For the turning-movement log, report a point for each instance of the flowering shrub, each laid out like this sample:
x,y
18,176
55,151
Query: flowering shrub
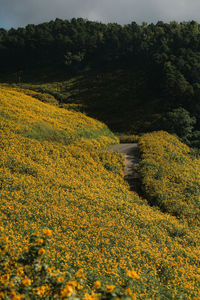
x,y
29,275
77,190
170,175
33,119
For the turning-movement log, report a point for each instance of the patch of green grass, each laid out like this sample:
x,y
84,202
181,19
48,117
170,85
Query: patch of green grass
x,y
43,131
132,138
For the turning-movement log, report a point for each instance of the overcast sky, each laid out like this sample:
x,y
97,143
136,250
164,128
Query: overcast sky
x,y
18,13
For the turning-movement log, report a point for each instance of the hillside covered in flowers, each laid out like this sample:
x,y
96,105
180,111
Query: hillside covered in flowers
x,y
170,175
70,226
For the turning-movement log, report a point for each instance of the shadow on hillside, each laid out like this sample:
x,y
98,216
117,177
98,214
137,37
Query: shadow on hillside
x,y
132,175
135,184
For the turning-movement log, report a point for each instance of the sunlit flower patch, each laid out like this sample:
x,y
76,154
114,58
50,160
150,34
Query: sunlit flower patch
x,y
59,182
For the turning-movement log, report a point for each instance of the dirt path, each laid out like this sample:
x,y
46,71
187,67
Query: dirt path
x,y
131,162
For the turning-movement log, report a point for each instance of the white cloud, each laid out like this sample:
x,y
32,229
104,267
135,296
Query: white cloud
x,y
22,12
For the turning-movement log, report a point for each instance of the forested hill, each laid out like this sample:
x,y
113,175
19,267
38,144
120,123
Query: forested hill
x,y
162,62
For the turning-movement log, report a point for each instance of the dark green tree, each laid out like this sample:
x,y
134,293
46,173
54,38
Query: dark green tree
x,y
179,122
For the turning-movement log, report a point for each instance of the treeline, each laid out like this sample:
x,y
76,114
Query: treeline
x,y
173,46
168,54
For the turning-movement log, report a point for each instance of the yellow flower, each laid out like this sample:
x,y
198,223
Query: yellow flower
x,y
41,251
90,297
20,271
41,290
67,291
97,284
26,282
6,277
60,279
47,232
79,287
72,283
14,296
80,274
1,229
133,274
128,292
40,241
110,288
49,270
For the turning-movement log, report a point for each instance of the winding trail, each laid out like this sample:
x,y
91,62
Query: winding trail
x,y
131,163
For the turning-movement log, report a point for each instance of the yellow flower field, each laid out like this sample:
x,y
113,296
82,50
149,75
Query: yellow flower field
x,y
56,174
171,175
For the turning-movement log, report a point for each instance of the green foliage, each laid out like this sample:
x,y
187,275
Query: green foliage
x,y
132,138
44,97
117,103
127,76
195,139
73,58
179,122
43,131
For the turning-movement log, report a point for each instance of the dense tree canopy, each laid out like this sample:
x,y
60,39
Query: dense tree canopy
x,y
168,54
173,46
179,121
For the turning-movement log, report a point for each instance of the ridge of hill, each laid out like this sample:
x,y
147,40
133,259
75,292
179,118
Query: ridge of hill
x,y
57,174
128,76
121,98
34,119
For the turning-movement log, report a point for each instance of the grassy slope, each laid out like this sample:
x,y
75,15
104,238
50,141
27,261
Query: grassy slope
x,y
76,188
120,98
